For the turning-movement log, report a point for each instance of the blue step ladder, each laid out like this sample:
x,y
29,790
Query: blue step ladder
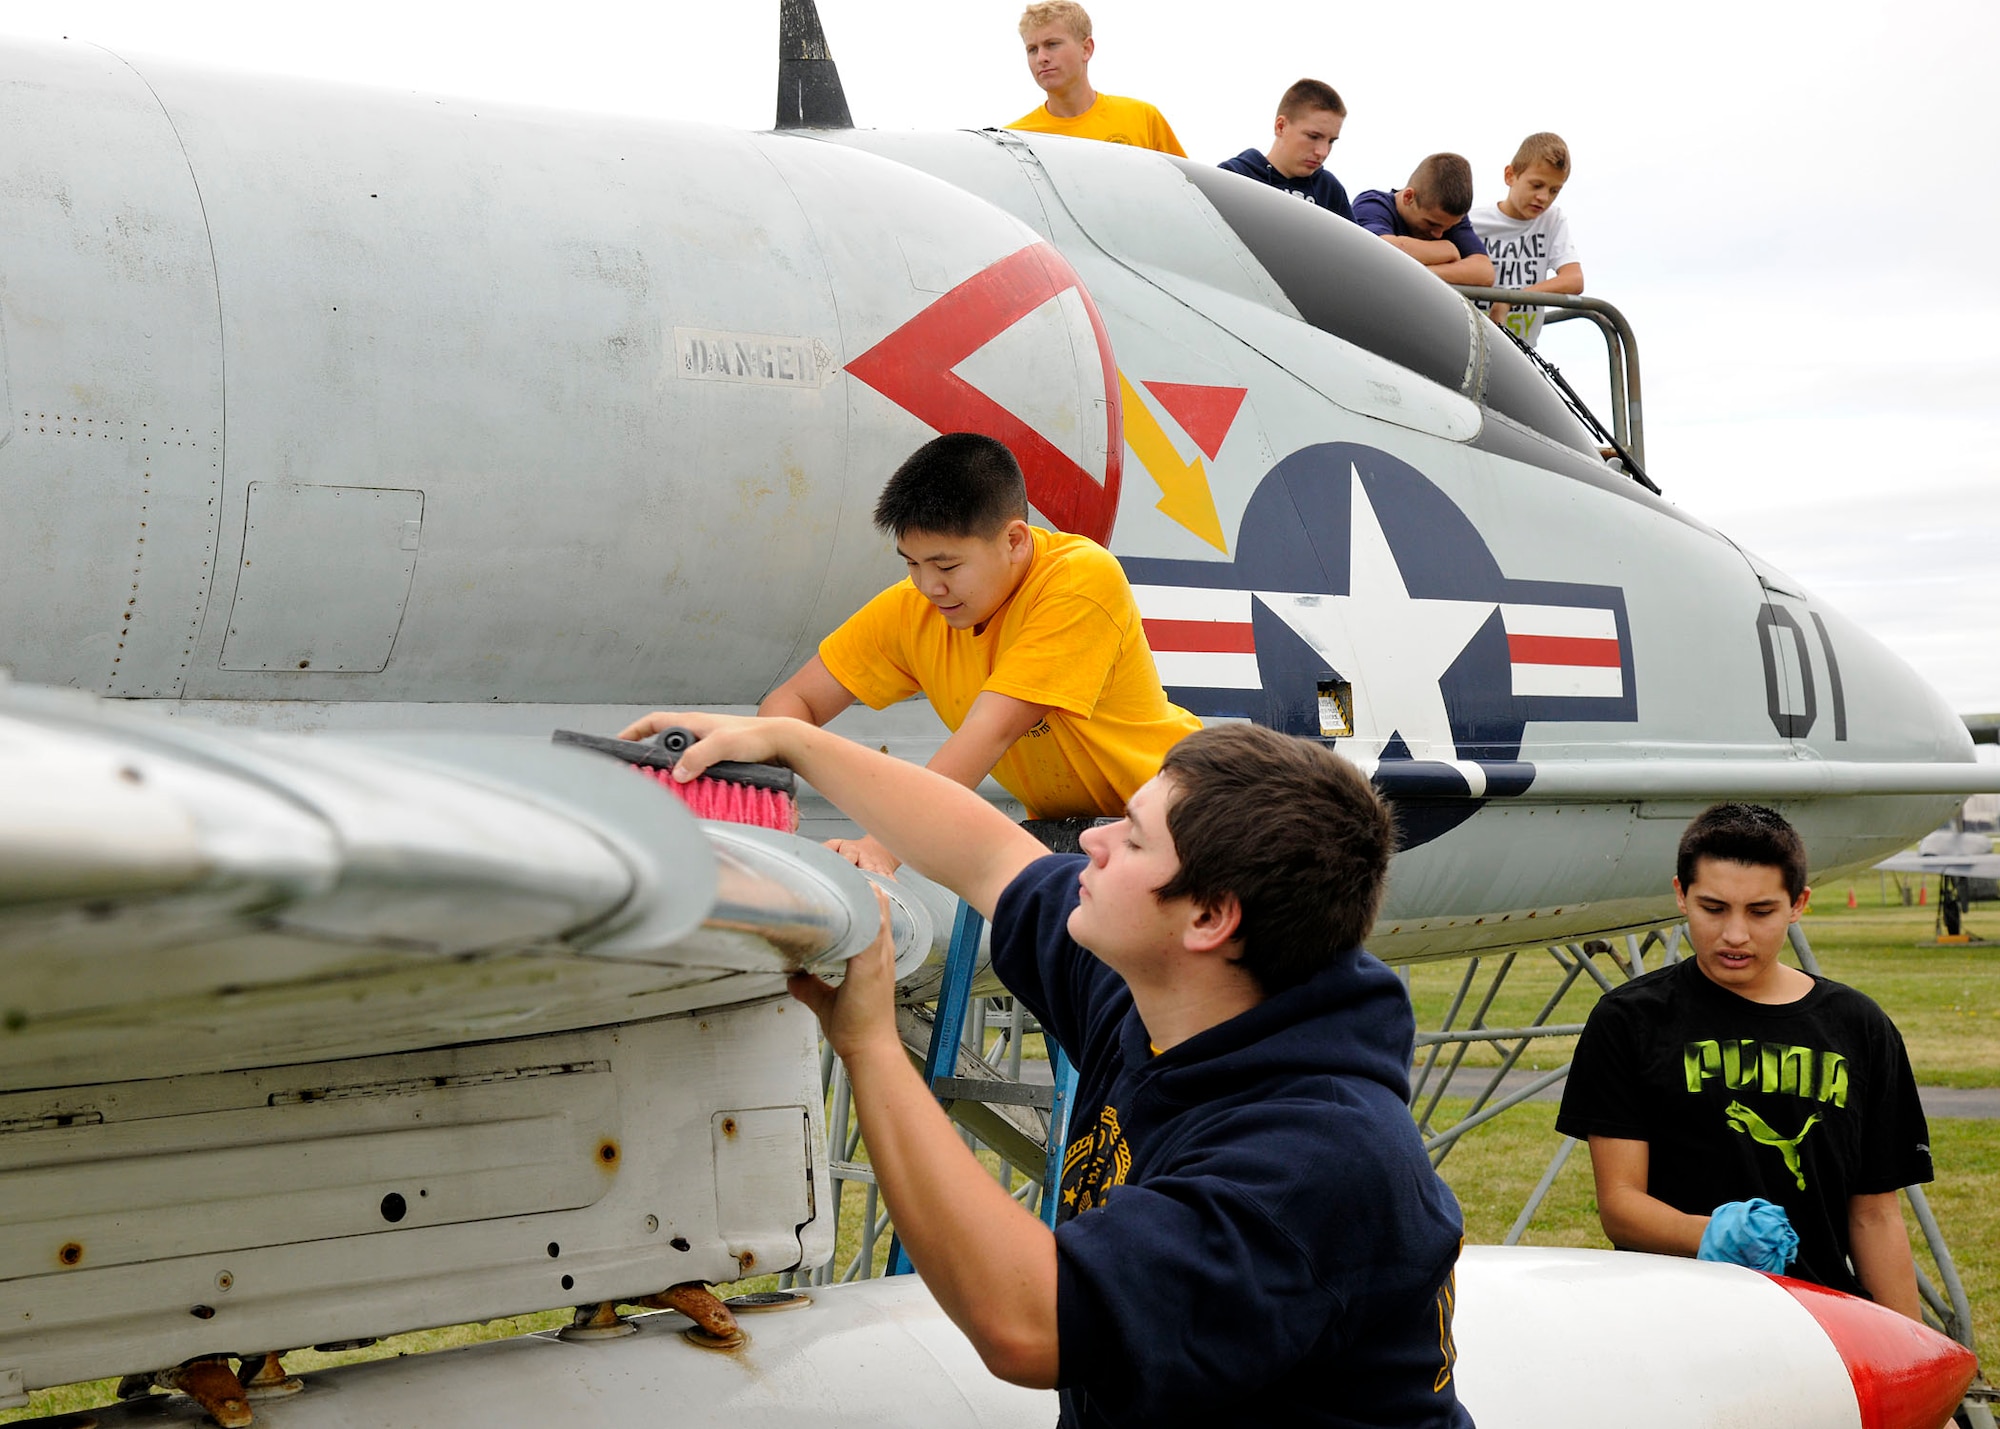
x,y
941,1063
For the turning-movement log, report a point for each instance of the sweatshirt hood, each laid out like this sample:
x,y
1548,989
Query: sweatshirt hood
x,y
1352,1019
1254,158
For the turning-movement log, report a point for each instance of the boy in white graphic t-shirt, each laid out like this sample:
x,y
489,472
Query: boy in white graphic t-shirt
x,y
1527,236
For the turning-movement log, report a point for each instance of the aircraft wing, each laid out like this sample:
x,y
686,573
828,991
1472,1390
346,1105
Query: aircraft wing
x,y
222,896
1951,865
332,1039
1624,780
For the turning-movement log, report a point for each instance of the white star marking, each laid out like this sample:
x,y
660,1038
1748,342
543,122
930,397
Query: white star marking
x,y
1392,647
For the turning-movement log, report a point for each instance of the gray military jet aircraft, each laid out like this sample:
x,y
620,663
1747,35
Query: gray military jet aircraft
x,y
1962,860
1949,852
337,410
349,412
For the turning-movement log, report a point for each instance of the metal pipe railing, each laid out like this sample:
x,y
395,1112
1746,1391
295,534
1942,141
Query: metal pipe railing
x,y
1623,354
1501,1034
1621,411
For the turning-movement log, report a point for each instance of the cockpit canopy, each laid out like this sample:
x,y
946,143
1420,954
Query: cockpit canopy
x,y
1345,281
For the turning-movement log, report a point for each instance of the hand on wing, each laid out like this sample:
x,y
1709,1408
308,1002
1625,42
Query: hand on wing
x,y
859,1016
866,854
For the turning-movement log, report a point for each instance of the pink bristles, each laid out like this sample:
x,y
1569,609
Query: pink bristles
x,y
731,803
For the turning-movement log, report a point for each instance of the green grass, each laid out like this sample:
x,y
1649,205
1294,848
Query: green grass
x,y
1946,1000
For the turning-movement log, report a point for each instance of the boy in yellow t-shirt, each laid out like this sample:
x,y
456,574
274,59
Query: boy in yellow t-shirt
x,y
1027,643
1057,36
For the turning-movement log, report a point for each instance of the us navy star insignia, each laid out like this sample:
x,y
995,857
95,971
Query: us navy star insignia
x,y
1403,643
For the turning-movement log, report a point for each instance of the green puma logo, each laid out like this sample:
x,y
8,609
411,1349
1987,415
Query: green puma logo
x,y
1741,1118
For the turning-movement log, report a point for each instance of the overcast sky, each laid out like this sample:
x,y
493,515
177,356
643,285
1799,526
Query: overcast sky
x,y
1793,204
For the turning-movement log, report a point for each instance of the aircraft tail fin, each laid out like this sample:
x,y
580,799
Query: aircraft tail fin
x,y
809,92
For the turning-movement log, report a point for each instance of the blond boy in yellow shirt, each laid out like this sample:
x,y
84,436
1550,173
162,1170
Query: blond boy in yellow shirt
x,y
1057,36
1027,643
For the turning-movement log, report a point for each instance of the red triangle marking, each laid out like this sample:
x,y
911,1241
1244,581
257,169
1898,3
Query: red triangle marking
x,y
1205,413
913,365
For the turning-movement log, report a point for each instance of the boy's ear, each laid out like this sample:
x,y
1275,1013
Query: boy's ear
x,y
1214,927
1507,176
1020,540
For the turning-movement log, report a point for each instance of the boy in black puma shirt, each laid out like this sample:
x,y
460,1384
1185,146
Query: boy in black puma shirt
x,y
1732,1076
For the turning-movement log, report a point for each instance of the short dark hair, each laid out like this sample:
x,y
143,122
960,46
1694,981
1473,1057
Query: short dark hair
x,y
1307,95
1290,828
1743,833
1444,181
959,484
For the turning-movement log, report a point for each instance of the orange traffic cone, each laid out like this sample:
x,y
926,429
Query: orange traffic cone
x,y
1850,896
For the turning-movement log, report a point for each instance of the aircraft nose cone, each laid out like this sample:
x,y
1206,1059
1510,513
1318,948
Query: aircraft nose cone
x,y
1906,1375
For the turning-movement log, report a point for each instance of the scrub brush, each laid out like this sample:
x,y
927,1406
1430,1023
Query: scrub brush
x,y
760,795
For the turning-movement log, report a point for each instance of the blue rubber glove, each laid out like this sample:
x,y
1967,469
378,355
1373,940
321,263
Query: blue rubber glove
x,y
1753,1233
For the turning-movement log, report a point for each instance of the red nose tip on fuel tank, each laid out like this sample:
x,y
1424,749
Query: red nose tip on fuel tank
x,y
1906,1375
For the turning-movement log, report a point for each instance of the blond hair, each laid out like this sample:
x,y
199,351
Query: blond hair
x,y
1542,148
1067,13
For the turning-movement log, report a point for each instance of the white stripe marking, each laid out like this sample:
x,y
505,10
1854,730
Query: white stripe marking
x,y
1173,602
1575,622
1207,670
1596,682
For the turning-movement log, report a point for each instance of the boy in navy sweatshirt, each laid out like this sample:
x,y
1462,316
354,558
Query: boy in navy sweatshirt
x,y
1250,1231
1310,116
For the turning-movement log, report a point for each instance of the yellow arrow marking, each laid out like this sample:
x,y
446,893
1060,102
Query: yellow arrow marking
x,y
1184,494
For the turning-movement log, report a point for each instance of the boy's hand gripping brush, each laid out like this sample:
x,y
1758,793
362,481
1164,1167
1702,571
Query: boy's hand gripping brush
x,y
761,795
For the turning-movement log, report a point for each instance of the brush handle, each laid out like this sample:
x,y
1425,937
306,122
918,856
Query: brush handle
x,y
663,751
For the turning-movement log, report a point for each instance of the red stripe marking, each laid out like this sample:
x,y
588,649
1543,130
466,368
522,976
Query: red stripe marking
x,y
1562,650
1209,637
